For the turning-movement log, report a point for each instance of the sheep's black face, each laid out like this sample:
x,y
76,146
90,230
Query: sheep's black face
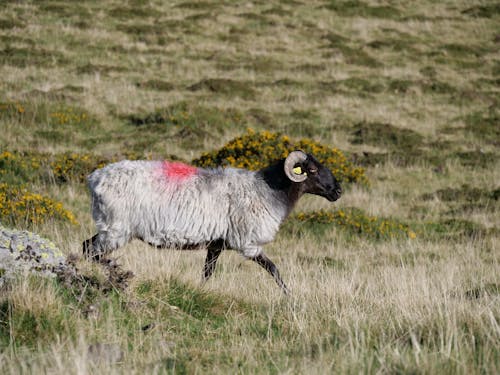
x,y
320,180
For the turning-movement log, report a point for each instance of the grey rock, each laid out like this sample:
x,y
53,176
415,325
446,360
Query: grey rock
x,y
24,251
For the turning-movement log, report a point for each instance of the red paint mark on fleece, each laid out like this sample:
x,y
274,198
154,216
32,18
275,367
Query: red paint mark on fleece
x,y
178,171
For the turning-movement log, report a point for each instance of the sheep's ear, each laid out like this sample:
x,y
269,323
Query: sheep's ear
x,y
293,171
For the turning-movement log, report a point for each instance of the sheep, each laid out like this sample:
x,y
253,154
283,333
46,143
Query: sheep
x,y
174,205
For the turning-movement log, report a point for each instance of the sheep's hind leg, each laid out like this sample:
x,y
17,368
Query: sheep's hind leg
x,y
214,250
270,267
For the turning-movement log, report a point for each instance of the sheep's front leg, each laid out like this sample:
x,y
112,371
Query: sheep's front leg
x,y
270,267
214,250
103,243
90,248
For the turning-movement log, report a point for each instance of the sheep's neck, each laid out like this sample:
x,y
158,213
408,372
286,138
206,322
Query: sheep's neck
x,y
277,180
294,193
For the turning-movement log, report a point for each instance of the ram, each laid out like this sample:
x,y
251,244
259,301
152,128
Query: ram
x,y
174,205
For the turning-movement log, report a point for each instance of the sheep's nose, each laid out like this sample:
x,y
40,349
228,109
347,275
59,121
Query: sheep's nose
x,y
338,190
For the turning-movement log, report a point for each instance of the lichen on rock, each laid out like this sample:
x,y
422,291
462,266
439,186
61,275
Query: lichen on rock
x,y
24,251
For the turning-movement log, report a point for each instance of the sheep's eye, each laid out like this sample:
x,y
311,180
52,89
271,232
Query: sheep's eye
x,y
313,170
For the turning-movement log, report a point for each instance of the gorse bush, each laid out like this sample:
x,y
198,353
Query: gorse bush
x,y
15,167
75,167
20,206
256,150
356,221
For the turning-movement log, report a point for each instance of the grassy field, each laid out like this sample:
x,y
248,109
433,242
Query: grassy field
x,y
401,275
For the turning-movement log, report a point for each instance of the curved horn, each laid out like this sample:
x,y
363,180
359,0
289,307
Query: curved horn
x,y
292,159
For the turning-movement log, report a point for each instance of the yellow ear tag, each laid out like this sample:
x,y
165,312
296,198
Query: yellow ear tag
x,y
297,170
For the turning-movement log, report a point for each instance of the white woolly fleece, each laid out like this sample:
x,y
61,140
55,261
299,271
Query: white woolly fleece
x,y
141,199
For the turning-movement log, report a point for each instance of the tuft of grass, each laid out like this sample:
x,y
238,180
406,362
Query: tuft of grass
x,y
466,199
196,311
156,84
436,87
476,158
130,13
352,54
386,135
90,68
400,85
464,193
356,8
147,33
21,327
334,39
484,11
399,45
310,68
7,23
278,11
484,125
453,229
302,122
190,124
197,304
325,261
260,117
259,65
71,10
197,5
361,85
257,24
433,156
429,72
225,87
463,50
24,57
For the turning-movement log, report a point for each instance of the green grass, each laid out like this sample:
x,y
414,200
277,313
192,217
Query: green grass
x,y
24,57
386,135
406,93
224,86
21,326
